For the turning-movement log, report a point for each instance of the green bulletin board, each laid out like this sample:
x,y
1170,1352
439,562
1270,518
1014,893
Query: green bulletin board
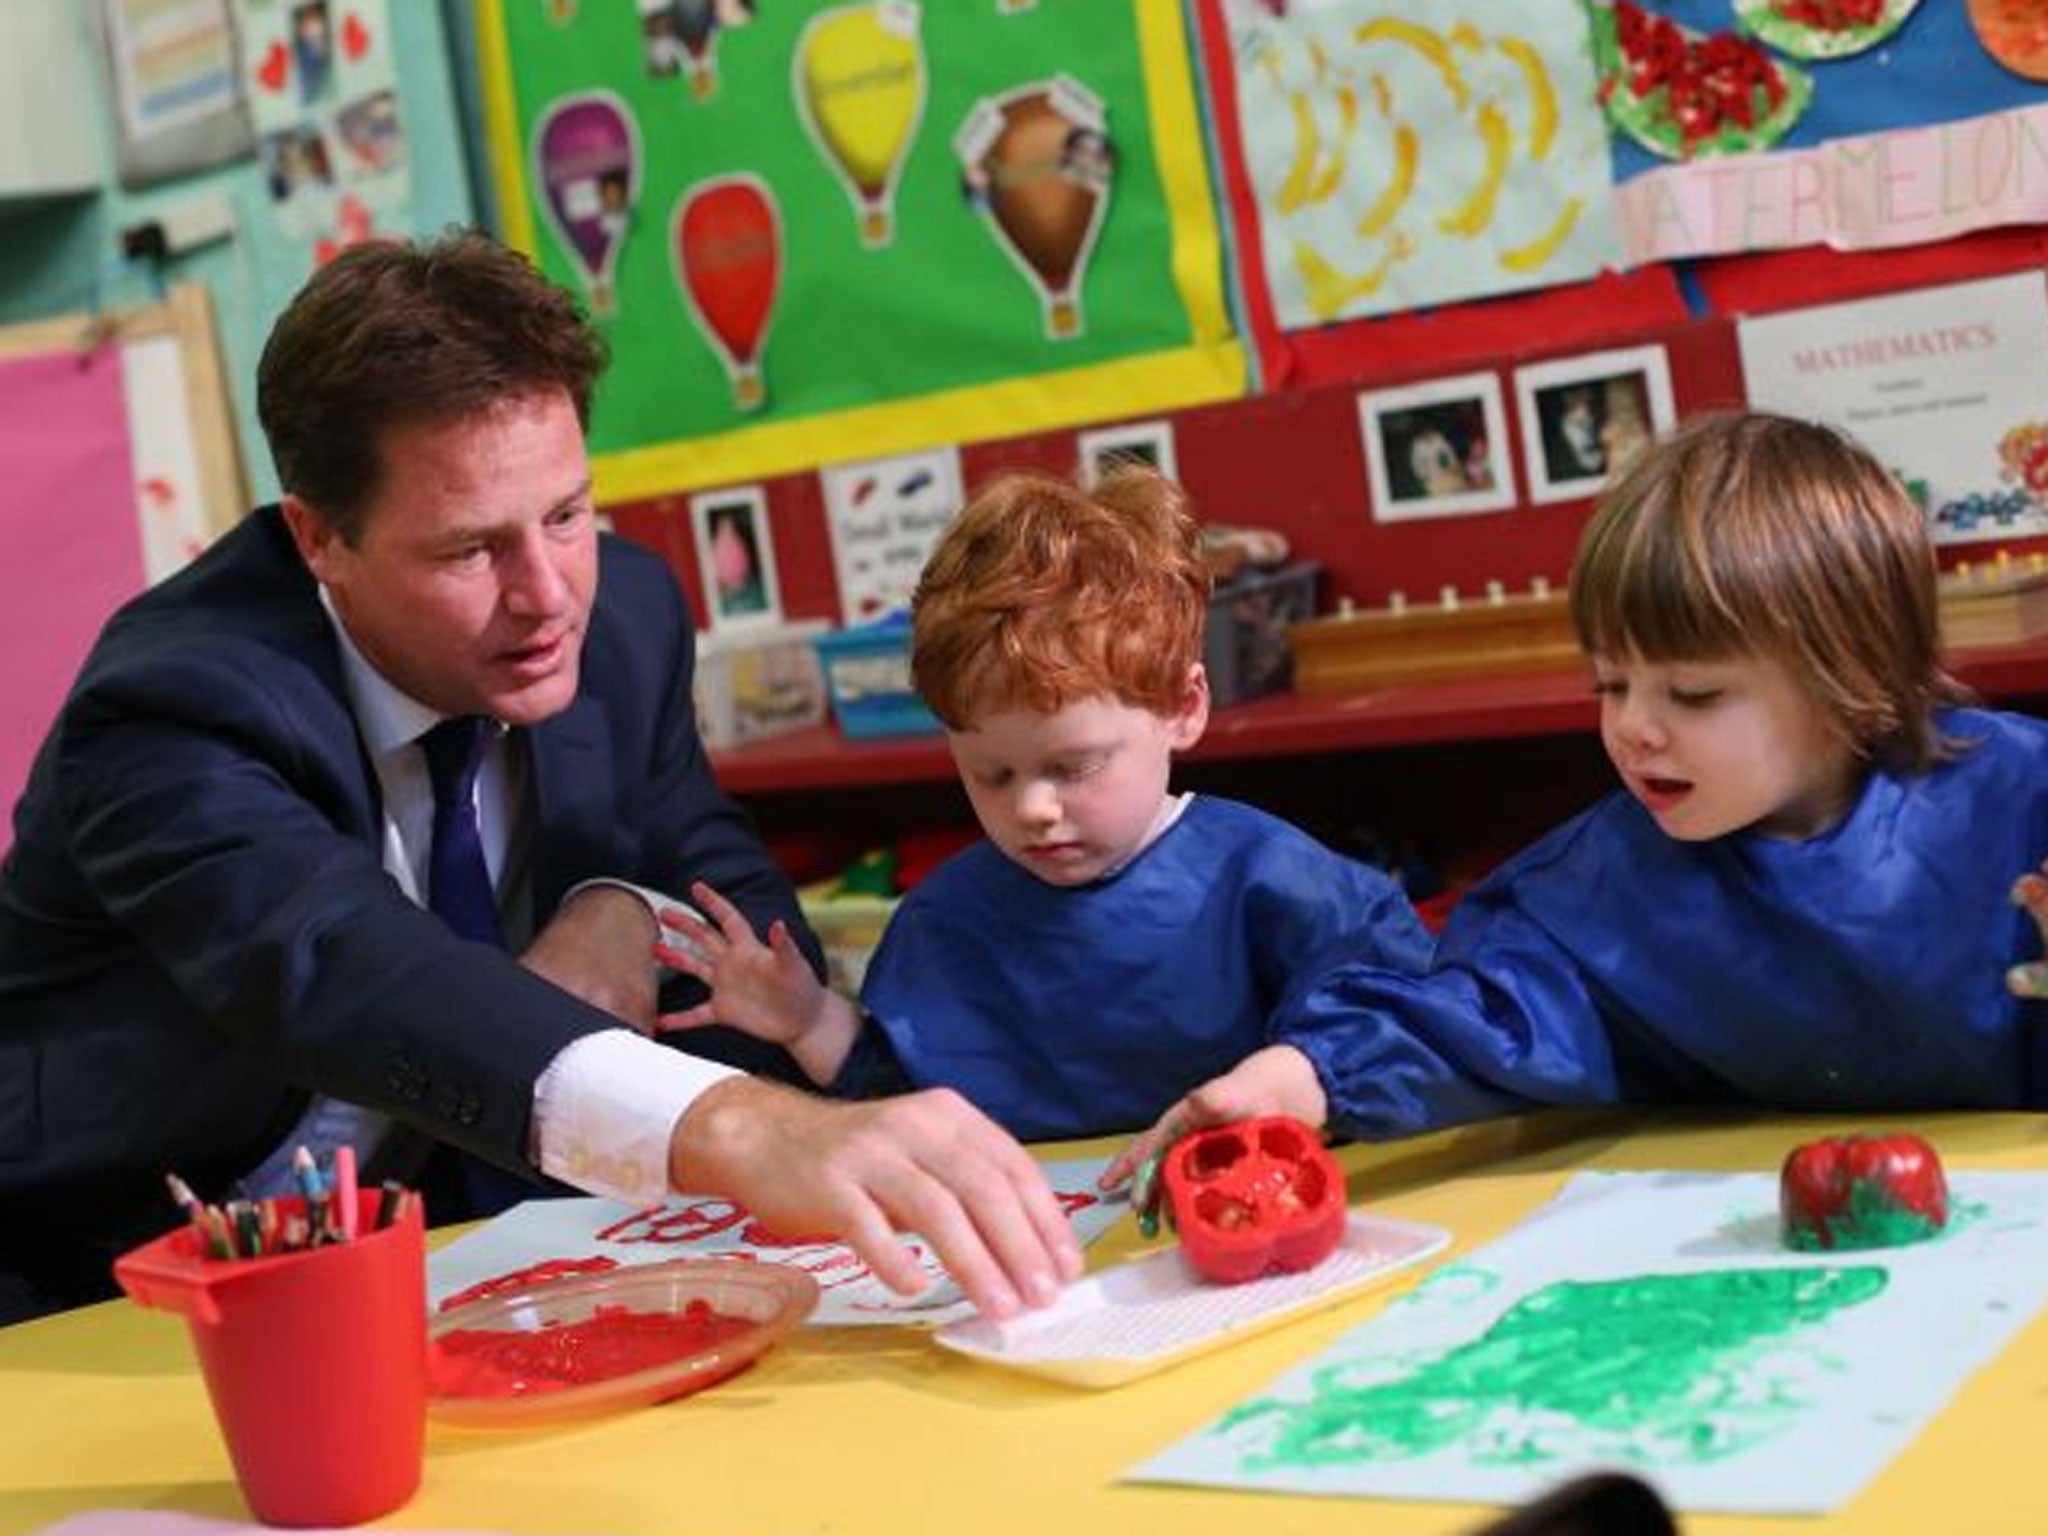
x,y
999,300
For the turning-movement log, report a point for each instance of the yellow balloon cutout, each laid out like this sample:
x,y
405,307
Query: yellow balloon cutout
x,y
860,86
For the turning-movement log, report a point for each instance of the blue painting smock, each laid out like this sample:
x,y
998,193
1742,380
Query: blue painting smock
x,y
1077,1011
1863,969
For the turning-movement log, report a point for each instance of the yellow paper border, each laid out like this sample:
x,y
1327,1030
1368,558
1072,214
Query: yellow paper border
x,y
1211,368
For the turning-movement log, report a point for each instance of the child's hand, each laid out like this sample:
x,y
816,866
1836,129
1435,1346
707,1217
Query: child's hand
x,y
2031,892
1278,1080
768,990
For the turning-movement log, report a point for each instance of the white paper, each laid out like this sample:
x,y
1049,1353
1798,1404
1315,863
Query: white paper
x,y
1486,1382
1947,386
703,1227
886,517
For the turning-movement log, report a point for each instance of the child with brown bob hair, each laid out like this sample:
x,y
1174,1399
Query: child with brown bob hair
x,y
1802,895
1111,944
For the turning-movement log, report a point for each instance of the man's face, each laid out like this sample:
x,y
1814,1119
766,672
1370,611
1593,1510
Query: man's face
x,y
471,584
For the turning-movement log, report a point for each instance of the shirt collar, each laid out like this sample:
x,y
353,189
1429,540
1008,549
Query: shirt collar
x,y
386,714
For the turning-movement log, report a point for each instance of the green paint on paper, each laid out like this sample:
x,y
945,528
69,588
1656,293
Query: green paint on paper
x,y
1656,1369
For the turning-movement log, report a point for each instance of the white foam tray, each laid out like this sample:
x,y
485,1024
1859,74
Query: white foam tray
x,y
1149,1313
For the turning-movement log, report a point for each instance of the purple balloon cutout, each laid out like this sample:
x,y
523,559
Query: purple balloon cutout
x,y
588,156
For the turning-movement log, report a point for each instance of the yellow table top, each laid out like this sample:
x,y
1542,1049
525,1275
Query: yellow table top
x,y
878,1432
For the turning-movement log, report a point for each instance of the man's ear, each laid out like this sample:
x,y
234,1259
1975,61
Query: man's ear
x,y
1193,717
313,534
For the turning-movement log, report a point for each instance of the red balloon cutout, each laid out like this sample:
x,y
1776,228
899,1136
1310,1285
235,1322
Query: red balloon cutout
x,y
727,247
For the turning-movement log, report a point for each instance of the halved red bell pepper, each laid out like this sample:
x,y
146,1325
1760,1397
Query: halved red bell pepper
x,y
1862,1192
1254,1197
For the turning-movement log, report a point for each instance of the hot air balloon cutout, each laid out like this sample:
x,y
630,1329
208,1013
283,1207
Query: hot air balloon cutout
x,y
859,79
683,35
725,241
1038,164
586,156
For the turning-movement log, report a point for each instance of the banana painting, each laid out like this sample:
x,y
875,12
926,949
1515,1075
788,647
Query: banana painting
x,y
1405,154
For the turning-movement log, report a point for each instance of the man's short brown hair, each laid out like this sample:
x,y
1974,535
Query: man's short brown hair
x,y
392,332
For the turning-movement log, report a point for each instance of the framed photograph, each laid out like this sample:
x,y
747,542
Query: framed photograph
x,y
736,558
1584,418
1149,443
1437,449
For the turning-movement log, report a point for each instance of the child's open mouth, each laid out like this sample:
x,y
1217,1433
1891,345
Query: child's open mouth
x,y
1661,794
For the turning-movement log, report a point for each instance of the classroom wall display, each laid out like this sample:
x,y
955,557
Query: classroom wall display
x,y
122,464
174,87
1385,157
860,229
1584,418
1913,131
886,516
1735,1375
1378,156
320,78
1893,123
1948,386
736,554
1149,443
1437,449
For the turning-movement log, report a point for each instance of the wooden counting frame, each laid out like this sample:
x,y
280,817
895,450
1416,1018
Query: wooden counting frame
x,y
2000,602
1499,632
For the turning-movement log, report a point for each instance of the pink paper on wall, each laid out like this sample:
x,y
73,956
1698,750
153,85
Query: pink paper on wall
x,y
69,548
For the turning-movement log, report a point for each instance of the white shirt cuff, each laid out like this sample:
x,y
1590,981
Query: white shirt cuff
x,y
605,1110
674,938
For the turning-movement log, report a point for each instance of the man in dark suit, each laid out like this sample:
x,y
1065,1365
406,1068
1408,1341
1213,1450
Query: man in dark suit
x,y
227,909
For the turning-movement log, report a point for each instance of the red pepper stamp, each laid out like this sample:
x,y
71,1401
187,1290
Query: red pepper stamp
x,y
1254,1197
1862,1192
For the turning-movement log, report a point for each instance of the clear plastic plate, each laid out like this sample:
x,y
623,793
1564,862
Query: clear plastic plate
x,y
768,1300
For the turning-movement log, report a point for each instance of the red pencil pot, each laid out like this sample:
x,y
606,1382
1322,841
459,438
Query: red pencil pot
x,y
316,1362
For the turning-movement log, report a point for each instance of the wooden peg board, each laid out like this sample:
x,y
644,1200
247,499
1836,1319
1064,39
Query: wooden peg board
x,y
1482,636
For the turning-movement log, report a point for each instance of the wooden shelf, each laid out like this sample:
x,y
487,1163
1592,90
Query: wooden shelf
x,y
1282,725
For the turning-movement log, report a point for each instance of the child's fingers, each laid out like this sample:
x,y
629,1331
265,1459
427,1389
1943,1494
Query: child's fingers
x,y
681,917
2028,980
693,929
2031,891
731,921
685,1018
1140,1150
691,962
1121,1167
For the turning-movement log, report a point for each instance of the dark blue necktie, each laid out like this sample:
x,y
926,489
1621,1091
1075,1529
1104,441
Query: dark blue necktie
x,y
459,889
458,880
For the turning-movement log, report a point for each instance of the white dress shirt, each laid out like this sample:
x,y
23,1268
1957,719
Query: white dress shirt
x,y
605,1107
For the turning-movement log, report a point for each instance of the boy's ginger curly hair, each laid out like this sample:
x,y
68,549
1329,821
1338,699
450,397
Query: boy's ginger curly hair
x,y
1041,595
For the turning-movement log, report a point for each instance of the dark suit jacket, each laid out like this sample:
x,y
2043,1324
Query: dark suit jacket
x,y
196,929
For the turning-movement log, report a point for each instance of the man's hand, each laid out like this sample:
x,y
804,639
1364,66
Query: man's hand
x,y
599,946
768,990
925,1162
1278,1080
2030,891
